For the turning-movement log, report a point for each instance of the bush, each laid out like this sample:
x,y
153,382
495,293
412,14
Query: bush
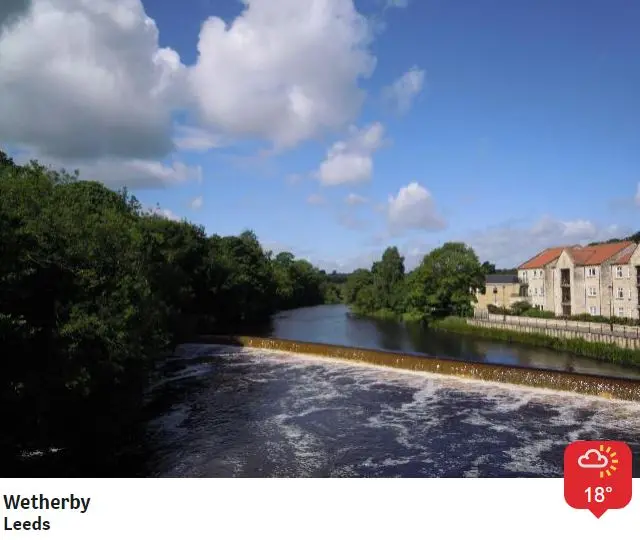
x,y
539,314
519,308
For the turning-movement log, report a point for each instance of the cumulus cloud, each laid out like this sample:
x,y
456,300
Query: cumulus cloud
x,y
283,70
354,199
196,203
196,139
511,244
315,199
165,213
87,79
404,90
351,160
132,173
413,208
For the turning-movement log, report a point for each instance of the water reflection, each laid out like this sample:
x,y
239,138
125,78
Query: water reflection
x,y
335,325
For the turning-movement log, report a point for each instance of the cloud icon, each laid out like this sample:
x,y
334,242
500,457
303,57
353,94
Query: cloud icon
x,y
593,459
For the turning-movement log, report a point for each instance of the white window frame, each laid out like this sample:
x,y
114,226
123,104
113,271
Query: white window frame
x,y
628,271
621,312
620,293
591,271
619,271
593,310
541,291
593,292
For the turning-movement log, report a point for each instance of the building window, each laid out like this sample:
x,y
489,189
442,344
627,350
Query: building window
x,y
593,310
619,271
620,312
593,291
591,272
541,291
620,293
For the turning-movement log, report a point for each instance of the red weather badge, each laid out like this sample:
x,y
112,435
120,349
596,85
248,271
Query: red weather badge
x,y
597,475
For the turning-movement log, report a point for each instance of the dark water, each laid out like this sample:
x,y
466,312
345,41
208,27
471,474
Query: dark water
x,y
266,413
224,411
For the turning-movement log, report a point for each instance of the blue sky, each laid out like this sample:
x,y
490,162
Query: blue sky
x,y
508,125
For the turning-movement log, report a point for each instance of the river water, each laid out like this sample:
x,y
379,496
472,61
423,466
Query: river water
x,y
248,413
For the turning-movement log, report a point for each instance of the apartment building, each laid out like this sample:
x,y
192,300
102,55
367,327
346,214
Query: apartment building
x,y
501,290
603,279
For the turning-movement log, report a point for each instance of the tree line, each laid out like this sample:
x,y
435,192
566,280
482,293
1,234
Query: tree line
x,y
93,289
444,283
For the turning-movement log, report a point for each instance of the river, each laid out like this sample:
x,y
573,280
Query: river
x,y
229,412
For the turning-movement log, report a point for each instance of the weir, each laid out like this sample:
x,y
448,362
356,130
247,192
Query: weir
x,y
596,385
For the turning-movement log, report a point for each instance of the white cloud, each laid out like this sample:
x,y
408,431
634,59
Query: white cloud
x,y
413,208
354,199
404,90
166,213
283,70
87,79
351,161
196,203
315,199
510,245
196,139
132,173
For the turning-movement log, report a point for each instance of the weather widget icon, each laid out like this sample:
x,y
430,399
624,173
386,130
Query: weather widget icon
x,y
602,459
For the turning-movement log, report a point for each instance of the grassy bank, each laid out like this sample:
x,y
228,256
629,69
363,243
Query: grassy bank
x,y
601,351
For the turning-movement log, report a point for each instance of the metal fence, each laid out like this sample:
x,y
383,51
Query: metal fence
x,y
584,327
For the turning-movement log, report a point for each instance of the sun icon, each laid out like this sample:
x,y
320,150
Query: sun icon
x,y
611,461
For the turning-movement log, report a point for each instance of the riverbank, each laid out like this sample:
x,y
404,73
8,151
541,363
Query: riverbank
x,y
601,351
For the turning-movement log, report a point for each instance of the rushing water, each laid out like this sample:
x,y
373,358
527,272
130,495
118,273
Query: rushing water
x,y
266,413
225,411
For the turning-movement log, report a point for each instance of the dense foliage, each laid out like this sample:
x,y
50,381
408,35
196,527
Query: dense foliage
x,y
443,284
93,289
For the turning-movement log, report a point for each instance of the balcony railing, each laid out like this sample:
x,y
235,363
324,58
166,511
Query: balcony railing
x,y
565,283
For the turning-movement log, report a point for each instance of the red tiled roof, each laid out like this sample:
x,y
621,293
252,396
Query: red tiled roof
x,y
624,257
543,258
594,255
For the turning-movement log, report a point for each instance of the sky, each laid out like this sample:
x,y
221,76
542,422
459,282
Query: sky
x,y
336,128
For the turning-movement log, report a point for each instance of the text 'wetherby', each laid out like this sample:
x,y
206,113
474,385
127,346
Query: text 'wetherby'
x,y
40,502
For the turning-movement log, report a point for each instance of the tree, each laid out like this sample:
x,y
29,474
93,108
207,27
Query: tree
x,y
446,281
488,268
359,279
388,276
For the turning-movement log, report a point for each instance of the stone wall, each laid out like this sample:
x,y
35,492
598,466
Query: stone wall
x,y
627,337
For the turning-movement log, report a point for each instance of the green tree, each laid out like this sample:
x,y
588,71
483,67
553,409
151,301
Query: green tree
x,y
446,281
388,277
